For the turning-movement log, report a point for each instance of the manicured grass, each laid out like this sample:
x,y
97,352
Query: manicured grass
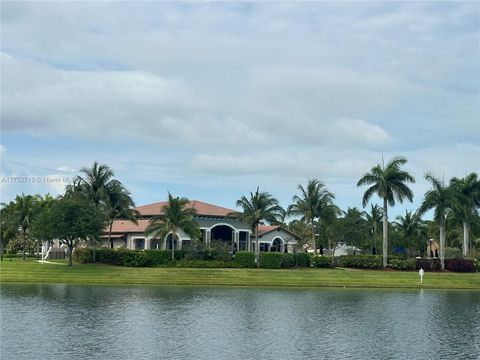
x,y
31,271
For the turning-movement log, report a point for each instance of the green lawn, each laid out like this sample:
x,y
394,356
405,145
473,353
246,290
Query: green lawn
x,y
31,271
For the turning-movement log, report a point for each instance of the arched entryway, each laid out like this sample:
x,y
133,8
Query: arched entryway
x,y
277,245
222,233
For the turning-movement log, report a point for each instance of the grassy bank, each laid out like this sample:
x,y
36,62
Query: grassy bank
x,y
33,272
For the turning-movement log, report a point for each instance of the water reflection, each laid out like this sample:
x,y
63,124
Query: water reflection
x,y
97,322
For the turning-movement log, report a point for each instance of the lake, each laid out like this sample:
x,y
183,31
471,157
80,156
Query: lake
x,y
103,322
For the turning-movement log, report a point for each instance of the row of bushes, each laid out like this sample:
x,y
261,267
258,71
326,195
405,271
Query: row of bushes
x,y
151,258
243,259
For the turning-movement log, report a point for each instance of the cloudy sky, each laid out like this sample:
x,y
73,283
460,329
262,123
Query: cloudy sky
x,y
210,100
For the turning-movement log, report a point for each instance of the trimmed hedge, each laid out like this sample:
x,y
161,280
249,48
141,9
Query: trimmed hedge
x,y
302,259
322,261
288,260
244,259
399,264
360,261
270,260
460,265
125,257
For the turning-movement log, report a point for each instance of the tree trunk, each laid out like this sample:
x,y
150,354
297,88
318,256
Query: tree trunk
x,y
466,239
313,239
70,253
174,233
257,246
110,235
1,248
385,233
23,244
442,241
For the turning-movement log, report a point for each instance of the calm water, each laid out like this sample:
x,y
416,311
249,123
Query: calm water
x,y
98,322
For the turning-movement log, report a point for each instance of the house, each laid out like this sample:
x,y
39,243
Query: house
x,y
344,249
214,223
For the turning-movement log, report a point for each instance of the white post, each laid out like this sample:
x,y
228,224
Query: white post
x,y
421,272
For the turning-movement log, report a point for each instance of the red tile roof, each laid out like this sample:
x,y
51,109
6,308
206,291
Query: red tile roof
x,y
124,226
201,207
263,229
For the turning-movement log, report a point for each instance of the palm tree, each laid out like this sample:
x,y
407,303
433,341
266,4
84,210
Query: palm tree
x,y
467,193
373,219
120,206
258,207
389,183
410,226
175,215
94,185
310,204
441,199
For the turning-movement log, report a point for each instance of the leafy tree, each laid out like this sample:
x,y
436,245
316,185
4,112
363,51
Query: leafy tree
x,y
175,215
467,193
389,183
440,198
260,206
70,220
8,226
313,200
374,220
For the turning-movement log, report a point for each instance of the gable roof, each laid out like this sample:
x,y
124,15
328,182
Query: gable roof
x,y
265,229
202,208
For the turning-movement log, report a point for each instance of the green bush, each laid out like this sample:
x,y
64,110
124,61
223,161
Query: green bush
x,y
302,259
244,259
476,263
20,256
217,250
204,264
399,264
270,260
359,261
288,260
322,261
82,255
453,253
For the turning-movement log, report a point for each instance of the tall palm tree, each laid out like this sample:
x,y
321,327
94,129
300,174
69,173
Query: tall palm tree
x,y
467,193
120,206
410,226
374,220
389,183
175,215
260,206
441,199
313,199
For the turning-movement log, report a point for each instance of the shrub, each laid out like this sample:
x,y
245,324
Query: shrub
x,y
204,264
244,259
476,263
360,261
288,260
217,250
302,259
399,264
459,265
82,255
20,256
428,264
270,260
322,261
453,253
